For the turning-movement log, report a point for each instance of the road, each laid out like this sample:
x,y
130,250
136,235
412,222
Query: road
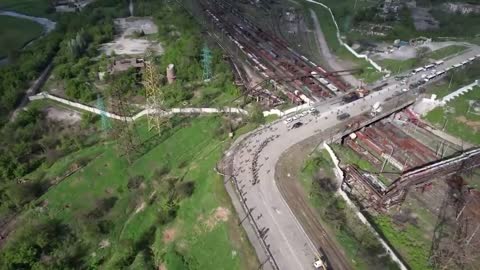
x,y
290,244
327,55
471,52
293,244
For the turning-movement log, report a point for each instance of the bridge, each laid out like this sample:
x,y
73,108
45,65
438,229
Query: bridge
x,y
371,193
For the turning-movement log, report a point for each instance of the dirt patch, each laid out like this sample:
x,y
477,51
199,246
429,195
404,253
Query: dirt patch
x,y
104,244
162,267
126,44
169,235
473,124
140,208
62,115
220,214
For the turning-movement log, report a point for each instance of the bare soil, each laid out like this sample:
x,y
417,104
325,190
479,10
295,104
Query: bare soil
x,y
169,235
126,44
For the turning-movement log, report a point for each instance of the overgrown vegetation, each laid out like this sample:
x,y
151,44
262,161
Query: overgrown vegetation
x,y
360,244
458,117
168,208
28,143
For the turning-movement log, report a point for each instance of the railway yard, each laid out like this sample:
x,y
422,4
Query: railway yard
x,y
403,154
250,134
293,74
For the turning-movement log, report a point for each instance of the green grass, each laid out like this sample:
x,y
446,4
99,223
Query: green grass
x,y
458,109
398,66
16,33
27,7
368,74
446,51
408,240
191,151
322,164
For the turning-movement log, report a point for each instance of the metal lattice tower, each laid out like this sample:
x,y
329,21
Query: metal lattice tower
x,y
124,130
206,63
106,125
151,82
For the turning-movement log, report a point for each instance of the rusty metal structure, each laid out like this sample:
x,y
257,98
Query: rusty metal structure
x,y
397,191
371,194
270,56
152,84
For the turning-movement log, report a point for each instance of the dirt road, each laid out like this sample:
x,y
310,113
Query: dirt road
x,y
327,54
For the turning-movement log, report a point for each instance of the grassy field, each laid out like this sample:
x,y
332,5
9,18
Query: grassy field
x,y
446,51
399,66
368,74
352,235
28,7
16,33
204,233
455,120
408,239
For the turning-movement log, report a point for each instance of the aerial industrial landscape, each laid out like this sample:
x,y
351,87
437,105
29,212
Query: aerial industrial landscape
x,y
240,134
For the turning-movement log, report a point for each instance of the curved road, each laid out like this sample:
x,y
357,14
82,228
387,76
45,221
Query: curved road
x,y
253,165
294,238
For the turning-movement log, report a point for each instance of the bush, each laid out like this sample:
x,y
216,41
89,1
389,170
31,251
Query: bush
x,y
257,115
135,181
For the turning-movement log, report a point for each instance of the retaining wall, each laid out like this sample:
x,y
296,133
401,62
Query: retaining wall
x,y
350,49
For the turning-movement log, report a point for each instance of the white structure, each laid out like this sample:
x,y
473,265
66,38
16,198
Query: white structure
x,y
362,56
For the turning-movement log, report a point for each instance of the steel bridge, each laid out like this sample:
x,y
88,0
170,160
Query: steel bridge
x,y
398,190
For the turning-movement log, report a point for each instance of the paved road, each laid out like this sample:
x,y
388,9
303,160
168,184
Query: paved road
x,y
289,243
471,52
254,164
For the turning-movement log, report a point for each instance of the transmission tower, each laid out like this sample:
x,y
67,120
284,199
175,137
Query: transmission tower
x,y
105,121
151,82
206,63
124,130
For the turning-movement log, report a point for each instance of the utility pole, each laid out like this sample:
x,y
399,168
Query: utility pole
x,y
206,63
154,100
106,125
125,130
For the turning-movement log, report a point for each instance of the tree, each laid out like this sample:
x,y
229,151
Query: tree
x,y
256,115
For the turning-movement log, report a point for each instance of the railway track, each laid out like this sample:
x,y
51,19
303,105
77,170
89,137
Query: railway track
x,y
270,56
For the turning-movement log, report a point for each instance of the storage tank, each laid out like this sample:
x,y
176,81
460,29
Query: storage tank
x,y
171,73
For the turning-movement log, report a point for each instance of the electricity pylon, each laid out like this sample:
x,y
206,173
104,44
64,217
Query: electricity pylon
x,y
151,82
206,63
104,119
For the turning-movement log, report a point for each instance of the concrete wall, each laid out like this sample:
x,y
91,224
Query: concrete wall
x,y
45,95
340,175
426,105
460,91
361,56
